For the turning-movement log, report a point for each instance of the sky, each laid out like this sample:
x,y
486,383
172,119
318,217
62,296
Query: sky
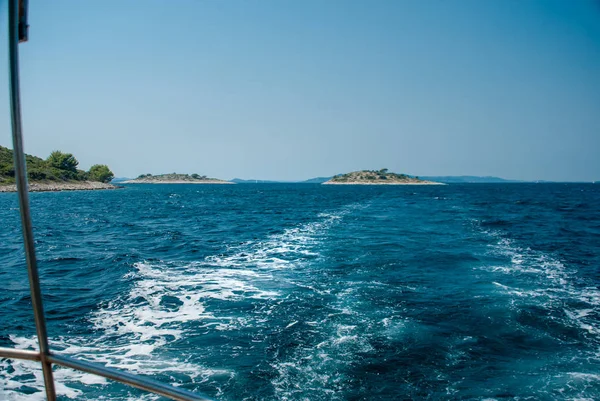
x,y
289,90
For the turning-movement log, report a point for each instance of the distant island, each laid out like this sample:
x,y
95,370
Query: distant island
x,y
175,178
470,179
58,172
241,181
316,180
445,179
377,177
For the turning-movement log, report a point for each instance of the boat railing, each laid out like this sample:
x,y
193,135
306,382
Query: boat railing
x,y
18,32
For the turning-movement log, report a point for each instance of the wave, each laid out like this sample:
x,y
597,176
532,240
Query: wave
x,y
550,282
550,296
323,362
165,301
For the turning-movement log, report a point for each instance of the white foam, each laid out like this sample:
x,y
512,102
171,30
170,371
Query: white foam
x,y
289,249
162,298
542,278
291,324
318,371
585,376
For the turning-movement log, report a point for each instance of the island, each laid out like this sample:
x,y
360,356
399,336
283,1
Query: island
x,y
377,177
175,178
58,172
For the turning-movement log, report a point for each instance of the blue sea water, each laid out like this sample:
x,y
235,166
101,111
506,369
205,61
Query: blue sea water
x,y
309,292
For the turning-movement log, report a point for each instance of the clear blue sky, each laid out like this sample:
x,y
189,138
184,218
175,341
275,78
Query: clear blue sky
x,y
295,89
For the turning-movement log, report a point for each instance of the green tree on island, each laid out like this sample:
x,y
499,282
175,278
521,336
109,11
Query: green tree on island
x,y
62,161
100,172
59,166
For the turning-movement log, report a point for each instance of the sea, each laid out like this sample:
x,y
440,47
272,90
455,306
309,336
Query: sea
x,y
311,292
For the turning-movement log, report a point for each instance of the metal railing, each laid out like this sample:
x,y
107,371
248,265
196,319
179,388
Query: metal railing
x,y
17,32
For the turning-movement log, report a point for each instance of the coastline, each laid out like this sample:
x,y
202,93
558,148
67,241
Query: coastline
x,y
382,183
61,186
175,182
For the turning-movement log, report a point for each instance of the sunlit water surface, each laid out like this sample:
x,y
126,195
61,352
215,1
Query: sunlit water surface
x,y
308,292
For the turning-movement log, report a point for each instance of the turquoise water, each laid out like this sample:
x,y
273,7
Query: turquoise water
x,y
308,292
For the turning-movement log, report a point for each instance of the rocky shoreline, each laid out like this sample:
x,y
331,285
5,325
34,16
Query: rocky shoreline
x,y
377,177
382,183
61,186
175,178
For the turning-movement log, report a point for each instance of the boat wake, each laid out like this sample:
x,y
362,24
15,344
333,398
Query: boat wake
x,y
147,329
549,298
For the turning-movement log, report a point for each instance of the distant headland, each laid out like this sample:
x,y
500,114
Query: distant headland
x,y
58,172
377,177
175,178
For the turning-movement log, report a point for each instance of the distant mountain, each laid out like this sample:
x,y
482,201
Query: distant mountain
x,y
316,180
240,181
468,179
120,179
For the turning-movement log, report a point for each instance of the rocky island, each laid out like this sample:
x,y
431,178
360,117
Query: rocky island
x,y
58,172
377,177
175,179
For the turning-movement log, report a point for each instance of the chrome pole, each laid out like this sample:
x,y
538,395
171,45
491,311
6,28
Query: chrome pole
x,y
22,189
18,31
25,354
130,379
